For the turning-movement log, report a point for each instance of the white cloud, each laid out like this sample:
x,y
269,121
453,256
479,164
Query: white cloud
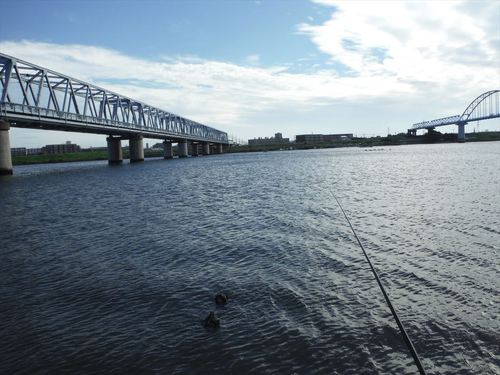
x,y
215,92
439,44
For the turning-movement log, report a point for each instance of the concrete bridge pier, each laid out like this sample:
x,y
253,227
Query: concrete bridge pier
x,y
5,156
115,153
182,149
205,148
167,150
461,132
218,148
215,149
194,149
136,148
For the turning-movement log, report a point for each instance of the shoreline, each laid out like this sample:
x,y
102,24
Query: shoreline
x,y
391,140
75,157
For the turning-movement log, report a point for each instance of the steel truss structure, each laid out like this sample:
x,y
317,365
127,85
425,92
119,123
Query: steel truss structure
x,y
485,106
35,97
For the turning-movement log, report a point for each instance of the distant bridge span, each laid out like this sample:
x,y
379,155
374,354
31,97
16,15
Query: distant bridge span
x,y
39,98
486,106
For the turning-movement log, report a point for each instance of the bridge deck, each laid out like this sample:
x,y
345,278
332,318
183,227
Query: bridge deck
x,y
41,118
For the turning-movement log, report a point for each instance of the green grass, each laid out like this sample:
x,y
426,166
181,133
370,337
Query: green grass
x,y
60,158
482,136
74,156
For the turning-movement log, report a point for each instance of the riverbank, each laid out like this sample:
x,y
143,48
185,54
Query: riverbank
x,y
76,156
390,140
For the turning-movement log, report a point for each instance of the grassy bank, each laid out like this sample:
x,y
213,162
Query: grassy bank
x,y
391,140
75,156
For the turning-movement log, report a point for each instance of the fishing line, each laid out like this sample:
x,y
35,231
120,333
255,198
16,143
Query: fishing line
x,y
406,338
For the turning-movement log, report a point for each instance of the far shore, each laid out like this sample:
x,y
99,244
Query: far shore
x,y
75,156
390,140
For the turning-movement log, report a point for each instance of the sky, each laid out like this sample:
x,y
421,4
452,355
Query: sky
x,y
256,67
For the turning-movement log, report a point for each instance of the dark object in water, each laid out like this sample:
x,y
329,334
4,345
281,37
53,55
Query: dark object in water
x,y
220,299
211,320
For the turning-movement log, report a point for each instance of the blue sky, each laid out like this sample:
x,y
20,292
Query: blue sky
x,y
253,68
216,30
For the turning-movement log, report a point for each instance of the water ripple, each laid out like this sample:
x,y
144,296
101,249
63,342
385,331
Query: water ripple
x,y
114,269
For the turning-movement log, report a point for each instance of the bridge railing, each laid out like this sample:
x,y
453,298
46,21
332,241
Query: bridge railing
x,y
41,114
437,122
12,108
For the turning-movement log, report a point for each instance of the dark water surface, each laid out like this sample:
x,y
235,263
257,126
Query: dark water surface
x,y
112,269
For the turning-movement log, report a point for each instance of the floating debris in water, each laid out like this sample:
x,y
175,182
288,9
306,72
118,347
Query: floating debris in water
x,y
220,299
211,321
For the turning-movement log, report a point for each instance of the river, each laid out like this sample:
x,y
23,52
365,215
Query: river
x,y
113,269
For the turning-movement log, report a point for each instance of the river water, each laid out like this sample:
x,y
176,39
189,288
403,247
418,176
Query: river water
x,y
113,269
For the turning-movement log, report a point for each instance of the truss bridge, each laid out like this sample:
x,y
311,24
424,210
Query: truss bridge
x,y
35,97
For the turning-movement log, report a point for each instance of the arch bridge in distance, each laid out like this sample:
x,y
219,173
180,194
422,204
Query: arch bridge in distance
x,y
486,106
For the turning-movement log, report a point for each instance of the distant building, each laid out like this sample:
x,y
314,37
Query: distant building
x,y
276,140
34,151
61,148
23,151
321,138
18,151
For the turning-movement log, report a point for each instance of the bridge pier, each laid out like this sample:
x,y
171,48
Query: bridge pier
x,y
412,132
167,150
205,148
5,156
182,149
115,153
461,132
136,148
218,148
194,149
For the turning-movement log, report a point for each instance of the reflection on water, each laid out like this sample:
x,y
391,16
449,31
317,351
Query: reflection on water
x,y
113,269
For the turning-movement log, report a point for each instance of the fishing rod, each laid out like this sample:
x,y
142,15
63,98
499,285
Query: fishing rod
x,y
406,338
